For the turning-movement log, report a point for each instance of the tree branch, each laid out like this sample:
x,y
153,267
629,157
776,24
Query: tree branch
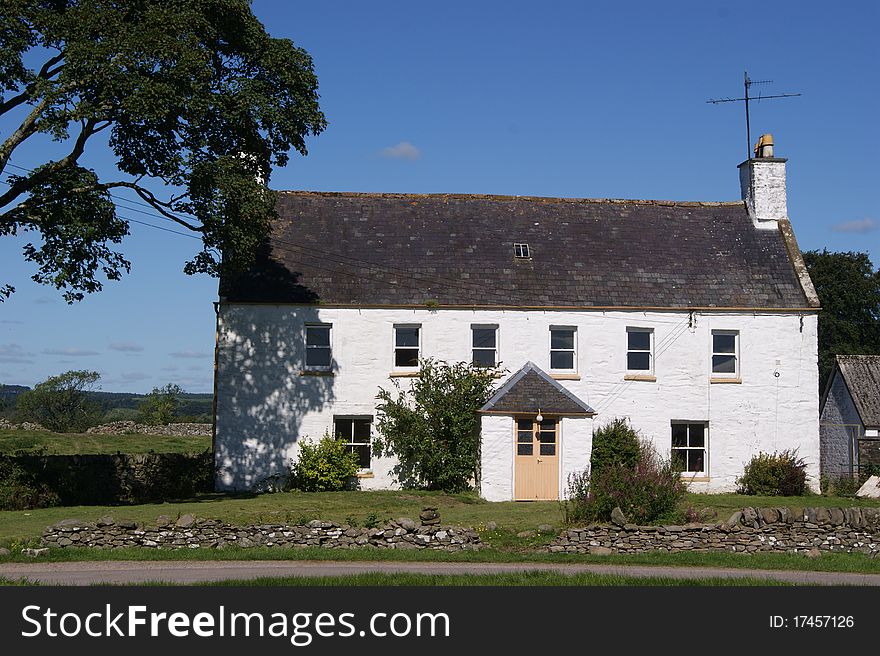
x,y
23,185
46,73
158,205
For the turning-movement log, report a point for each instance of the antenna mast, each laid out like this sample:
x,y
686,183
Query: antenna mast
x,y
747,83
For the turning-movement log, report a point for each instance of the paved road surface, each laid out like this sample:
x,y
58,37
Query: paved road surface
x,y
134,572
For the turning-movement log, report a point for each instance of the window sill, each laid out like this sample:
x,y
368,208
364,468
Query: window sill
x,y
641,377
565,376
364,474
403,374
316,372
729,381
695,479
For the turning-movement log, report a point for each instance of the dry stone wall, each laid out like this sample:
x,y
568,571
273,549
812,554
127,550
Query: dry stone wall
x,y
807,530
191,533
129,427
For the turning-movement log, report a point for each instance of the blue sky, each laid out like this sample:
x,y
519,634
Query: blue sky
x,y
552,99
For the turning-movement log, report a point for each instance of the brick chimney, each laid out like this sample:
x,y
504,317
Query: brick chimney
x,y
762,185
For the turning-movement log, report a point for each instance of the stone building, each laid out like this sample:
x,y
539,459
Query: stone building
x,y
695,321
850,417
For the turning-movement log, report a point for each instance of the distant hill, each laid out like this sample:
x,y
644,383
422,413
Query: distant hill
x,y
191,405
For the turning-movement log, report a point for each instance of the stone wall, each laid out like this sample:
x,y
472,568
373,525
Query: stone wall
x,y
106,478
130,427
807,530
191,533
126,428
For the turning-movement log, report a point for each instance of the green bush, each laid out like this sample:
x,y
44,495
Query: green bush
x,y
647,491
61,403
327,466
774,474
433,427
614,444
160,406
20,491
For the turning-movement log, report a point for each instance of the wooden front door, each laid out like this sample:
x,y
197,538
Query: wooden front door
x,y
536,473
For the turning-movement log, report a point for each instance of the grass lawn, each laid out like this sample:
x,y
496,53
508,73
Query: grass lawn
x,y
83,443
518,579
462,509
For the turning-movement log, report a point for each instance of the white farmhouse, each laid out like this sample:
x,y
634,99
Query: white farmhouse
x,y
696,321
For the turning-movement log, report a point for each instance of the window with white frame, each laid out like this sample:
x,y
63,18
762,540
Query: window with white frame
x,y
563,348
640,349
484,341
725,353
356,432
690,446
318,347
407,346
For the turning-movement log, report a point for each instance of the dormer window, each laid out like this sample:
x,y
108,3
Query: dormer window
x,y
522,252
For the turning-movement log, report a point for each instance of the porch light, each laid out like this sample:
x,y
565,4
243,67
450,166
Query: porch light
x,y
540,417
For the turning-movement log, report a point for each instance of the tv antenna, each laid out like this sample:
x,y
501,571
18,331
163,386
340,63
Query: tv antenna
x,y
748,82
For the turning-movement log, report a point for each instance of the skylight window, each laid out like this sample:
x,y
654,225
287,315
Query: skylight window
x,y
521,251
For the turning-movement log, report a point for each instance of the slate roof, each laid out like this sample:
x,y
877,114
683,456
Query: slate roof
x,y
457,250
861,373
529,390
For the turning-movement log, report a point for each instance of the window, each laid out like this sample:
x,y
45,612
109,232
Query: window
x,y
318,350
725,353
485,345
522,251
639,349
407,346
562,348
689,447
527,430
355,432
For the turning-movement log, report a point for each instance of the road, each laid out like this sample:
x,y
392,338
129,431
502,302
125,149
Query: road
x,y
135,572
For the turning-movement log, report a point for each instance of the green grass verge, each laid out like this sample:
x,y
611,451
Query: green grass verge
x,y
828,562
83,443
517,579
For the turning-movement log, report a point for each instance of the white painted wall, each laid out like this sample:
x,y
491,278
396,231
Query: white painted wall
x,y
265,406
496,457
576,445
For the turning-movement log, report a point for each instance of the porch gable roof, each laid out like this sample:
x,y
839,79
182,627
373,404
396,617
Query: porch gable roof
x,y
529,390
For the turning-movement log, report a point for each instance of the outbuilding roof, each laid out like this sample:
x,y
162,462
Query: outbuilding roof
x,y
531,390
458,251
861,373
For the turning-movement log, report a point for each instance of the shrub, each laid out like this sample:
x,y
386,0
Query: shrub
x,y
433,428
61,403
614,444
20,491
647,491
160,406
774,474
327,466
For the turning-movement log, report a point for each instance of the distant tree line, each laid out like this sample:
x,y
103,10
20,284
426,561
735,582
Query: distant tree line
x,y
68,402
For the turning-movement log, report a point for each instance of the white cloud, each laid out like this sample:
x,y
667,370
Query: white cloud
x,y
189,354
133,376
171,368
403,150
13,353
857,226
126,347
72,352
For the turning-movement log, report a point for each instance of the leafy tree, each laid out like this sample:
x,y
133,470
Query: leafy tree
x,y
849,291
161,405
61,403
194,99
433,428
